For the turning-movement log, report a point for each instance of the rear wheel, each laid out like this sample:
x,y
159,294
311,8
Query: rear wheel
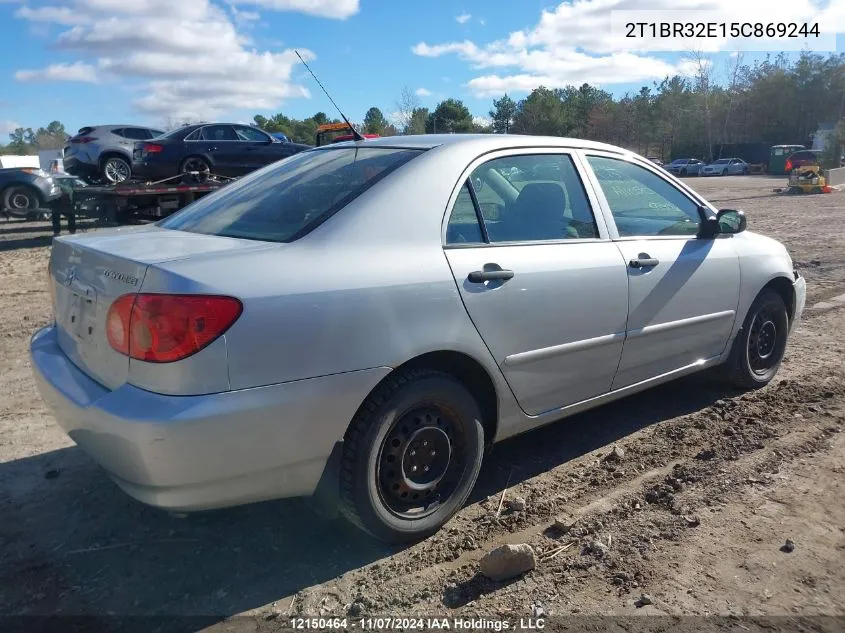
x,y
195,169
20,198
115,170
760,345
411,456
683,172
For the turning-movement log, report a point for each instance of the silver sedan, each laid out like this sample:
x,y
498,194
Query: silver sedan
x,y
358,322
726,167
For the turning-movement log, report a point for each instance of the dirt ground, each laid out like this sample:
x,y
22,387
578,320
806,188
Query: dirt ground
x,y
695,513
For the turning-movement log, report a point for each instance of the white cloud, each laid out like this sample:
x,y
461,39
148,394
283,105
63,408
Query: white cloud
x,y
185,59
573,43
78,71
481,21
337,9
463,18
422,92
7,126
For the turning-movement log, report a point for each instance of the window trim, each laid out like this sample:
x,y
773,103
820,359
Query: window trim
x,y
267,137
222,140
682,188
580,171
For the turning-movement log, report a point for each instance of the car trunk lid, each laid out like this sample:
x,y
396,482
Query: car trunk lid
x,y
88,273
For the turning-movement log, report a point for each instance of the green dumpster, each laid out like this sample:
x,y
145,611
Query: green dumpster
x,y
778,155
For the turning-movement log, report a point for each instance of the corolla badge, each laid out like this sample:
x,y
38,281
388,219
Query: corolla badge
x,y
70,275
123,277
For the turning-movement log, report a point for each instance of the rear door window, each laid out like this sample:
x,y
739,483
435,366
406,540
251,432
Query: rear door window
x,y
219,133
135,133
286,200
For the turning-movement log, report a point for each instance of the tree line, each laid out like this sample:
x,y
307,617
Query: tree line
x,y
772,101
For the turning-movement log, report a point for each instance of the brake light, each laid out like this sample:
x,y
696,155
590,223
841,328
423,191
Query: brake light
x,y
83,139
160,328
152,148
788,165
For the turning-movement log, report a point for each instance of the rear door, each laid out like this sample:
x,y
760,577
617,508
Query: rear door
x,y
224,148
541,280
683,291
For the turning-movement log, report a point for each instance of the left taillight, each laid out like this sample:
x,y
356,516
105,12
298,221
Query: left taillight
x,y
152,148
163,328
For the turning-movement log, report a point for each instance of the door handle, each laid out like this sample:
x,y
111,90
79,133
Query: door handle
x,y
212,149
643,262
480,276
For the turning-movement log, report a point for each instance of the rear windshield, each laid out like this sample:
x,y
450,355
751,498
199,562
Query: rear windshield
x,y
287,199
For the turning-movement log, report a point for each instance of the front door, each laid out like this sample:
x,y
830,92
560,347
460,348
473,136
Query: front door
x,y
541,280
683,291
224,148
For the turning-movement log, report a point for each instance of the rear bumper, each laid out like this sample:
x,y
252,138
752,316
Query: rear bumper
x,y
199,452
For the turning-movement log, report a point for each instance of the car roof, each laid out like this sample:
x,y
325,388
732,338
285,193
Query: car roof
x,y
488,142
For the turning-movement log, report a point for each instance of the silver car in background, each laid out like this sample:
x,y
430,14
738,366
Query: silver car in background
x,y
725,167
358,322
684,167
104,152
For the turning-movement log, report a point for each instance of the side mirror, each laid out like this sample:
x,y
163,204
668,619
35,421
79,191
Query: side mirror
x,y
731,221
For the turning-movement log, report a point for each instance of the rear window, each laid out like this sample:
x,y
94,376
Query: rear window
x,y
287,199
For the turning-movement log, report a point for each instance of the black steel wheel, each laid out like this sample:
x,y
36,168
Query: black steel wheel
x,y
195,169
411,456
20,198
761,342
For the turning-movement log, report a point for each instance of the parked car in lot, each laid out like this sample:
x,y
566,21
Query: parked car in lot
x,y
684,167
801,158
223,149
725,167
358,322
103,153
24,190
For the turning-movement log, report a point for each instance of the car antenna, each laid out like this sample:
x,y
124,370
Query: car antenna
x,y
355,134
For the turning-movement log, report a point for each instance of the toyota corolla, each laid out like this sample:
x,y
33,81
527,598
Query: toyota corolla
x,y
360,321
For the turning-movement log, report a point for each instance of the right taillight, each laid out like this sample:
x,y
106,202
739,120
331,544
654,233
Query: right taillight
x,y
163,328
152,148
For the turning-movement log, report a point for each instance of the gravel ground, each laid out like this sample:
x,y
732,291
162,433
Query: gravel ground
x,y
686,493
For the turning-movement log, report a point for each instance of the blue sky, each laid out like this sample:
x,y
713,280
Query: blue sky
x,y
157,61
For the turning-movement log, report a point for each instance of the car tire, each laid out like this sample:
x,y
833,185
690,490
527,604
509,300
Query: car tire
x,y
683,172
115,170
745,171
413,410
724,172
195,164
20,198
761,342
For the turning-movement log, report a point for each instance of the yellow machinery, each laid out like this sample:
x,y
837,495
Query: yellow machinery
x,y
808,179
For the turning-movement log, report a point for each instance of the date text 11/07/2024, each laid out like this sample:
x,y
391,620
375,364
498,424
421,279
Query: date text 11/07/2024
x,y
418,624
721,29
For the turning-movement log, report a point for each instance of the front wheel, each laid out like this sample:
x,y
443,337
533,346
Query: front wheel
x,y
683,172
411,456
19,198
761,342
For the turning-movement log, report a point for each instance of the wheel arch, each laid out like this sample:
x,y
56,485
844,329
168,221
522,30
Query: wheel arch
x,y
784,287
114,153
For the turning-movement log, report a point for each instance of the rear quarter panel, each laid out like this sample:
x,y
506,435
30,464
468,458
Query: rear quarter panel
x,y
371,287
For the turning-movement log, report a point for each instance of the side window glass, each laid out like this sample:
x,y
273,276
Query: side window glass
x,y
463,227
196,135
219,133
533,198
251,134
642,203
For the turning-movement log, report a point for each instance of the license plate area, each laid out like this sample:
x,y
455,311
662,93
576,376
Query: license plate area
x,y
82,313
